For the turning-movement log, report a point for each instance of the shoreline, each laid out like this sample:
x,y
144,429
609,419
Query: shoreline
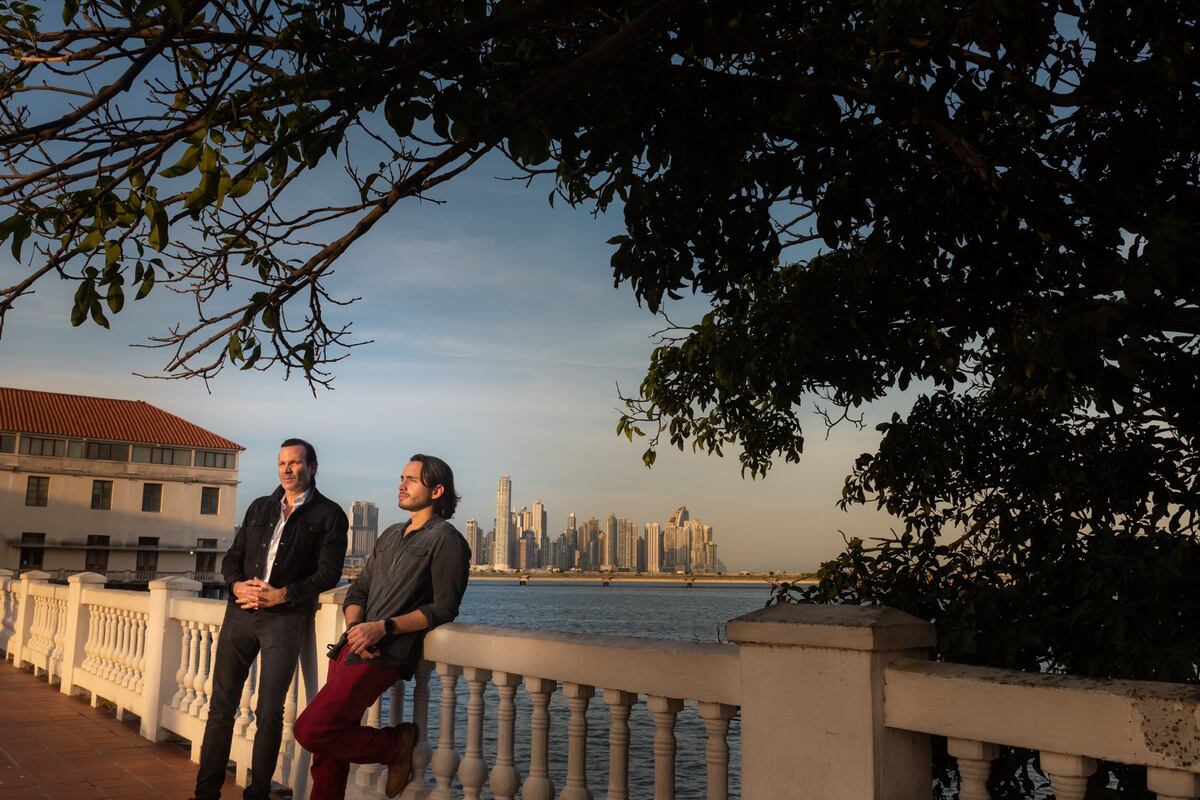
x,y
609,579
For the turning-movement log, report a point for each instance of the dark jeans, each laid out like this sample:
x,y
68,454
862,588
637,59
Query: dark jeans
x,y
243,635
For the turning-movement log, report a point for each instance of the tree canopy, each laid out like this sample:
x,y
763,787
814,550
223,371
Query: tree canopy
x,y
995,205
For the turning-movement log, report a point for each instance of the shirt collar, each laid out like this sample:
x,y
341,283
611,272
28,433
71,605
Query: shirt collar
x,y
428,524
301,500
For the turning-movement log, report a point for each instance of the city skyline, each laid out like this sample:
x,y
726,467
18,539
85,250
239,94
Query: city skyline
x,y
499,344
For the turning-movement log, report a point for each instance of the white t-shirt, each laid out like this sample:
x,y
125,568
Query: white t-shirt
x,y
278,534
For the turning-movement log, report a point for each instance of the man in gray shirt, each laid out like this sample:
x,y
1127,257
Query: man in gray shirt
x,y
413,582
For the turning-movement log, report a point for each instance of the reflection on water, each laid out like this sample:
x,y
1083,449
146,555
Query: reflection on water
x,y
669,611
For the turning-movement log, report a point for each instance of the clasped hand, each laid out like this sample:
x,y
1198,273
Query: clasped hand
x,y
257,593
361,639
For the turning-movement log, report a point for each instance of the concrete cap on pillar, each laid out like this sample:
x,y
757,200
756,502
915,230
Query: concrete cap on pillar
x,y
335,595
176,583
845,627
35,575
86,577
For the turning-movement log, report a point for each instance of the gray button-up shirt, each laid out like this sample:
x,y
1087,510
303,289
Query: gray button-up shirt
x,y
425,570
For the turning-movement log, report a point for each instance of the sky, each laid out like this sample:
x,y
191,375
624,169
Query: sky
x,y
498,343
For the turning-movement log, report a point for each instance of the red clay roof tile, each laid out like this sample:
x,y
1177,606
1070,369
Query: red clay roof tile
x,y
75,415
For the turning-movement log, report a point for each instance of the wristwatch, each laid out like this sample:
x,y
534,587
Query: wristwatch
x,y
389,626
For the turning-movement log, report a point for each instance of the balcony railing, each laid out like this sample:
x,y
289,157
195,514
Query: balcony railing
x,y
834,702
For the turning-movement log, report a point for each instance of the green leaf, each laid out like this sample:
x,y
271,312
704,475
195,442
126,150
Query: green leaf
x,y
159,224
98,315
70,9
116,296
235,348
210,179
187,163
366,187
147,284
175,9
255,352
112,253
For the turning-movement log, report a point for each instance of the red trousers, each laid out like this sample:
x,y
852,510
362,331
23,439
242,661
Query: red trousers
x,y
330,727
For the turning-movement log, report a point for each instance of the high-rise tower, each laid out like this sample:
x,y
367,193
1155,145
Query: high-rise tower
x,y
364,528
503,523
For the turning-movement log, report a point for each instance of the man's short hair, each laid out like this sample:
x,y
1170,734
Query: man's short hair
x,y
435,472
310,452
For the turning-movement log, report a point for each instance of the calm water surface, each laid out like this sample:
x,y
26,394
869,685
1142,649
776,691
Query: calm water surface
x,y
668,611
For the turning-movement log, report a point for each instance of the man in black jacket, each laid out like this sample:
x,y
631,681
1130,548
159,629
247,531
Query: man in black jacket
x,y
289,549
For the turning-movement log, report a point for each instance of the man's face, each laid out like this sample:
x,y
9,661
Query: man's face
x,y
413,495
294,474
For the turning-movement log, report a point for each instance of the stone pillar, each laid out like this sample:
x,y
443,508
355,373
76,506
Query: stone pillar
x,y
24,614
163,644
77,626
816,671
328,627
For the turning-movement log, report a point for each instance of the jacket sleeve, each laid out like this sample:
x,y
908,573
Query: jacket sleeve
x,y
450,565
330,560
233,565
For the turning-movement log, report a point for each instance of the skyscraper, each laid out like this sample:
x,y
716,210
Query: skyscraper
x,y
500,554
364,528
539,524
654,547
475,542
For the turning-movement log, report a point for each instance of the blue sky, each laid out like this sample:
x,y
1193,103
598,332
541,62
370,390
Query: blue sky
x,y
499,342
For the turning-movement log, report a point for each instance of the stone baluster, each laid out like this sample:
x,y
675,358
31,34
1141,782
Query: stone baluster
x,y
60,625
423,751
245,712
139,651
716,718
125,667
214,632
445,759
664,711
112,669
577,695
252,728
110,644
185,647
93,637
287,744
1068,774
1173,784
505,778
538,785
472,772
193,664
619,704
974,765
202,668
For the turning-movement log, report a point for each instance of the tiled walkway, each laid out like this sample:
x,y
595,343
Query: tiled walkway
x,y
54,747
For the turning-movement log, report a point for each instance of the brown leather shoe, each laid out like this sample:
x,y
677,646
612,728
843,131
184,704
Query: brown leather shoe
x,y
400,770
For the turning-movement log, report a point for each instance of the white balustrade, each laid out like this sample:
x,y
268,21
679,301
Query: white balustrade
x,y
422,752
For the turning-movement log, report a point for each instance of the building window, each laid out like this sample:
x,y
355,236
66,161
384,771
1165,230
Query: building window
x,y
96,557
35,446
162,455
215,459
106,451
210,497
147,558
206,561
151,497
37,490
102,495
8,443
31,556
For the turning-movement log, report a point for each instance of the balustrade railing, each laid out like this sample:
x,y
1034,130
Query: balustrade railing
x,y
832,702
